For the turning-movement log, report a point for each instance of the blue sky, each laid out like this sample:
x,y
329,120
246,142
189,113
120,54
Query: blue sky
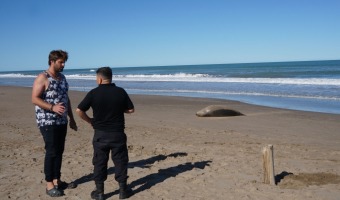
x,y
124,33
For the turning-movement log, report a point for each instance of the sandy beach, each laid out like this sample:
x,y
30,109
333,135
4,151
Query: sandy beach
x,y
176,155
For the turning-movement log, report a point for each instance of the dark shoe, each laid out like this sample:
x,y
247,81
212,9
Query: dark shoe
x,y
54,192
63,185
97,195
98,192
124,192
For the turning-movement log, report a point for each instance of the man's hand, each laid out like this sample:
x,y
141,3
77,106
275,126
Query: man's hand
x,y
59,108
73,125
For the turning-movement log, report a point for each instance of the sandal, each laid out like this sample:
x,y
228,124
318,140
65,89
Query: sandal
x,y
54,192
63,185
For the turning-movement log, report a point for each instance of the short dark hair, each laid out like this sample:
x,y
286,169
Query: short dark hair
x,y
105,73
57,54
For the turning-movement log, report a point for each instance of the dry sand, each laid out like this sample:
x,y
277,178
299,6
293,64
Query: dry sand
x,y
177,155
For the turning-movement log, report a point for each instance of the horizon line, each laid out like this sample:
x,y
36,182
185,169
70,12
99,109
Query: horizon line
x,y
70,68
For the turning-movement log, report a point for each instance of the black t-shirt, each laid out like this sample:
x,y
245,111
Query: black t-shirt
x,y
108,103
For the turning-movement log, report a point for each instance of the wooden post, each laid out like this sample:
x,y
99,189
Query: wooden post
x,y
268,164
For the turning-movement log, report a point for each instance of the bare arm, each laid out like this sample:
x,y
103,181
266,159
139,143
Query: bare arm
x,y
39,86
84,116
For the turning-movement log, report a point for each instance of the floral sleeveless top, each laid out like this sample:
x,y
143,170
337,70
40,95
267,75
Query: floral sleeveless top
x,y
55,93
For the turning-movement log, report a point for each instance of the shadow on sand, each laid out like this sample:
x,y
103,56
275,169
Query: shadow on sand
x,y
281,176
152,179
146,163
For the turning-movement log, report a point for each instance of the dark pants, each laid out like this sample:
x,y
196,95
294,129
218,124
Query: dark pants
x,y
54,137
103,144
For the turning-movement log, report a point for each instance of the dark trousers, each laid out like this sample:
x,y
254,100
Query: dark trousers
x,y
54,138
104,143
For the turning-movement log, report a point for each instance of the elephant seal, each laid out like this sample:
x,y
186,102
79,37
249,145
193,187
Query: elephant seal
x,y
217,111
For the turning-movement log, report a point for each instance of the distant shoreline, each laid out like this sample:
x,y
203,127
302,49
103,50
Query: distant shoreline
x,y
306,85
186,97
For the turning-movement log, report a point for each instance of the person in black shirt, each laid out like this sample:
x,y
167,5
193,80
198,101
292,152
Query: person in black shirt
x,y
108,103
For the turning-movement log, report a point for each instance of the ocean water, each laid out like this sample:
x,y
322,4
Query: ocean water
x,y
307,85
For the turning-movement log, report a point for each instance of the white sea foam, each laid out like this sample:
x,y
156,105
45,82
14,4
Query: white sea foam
x,y
185,77
16,75
81,76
